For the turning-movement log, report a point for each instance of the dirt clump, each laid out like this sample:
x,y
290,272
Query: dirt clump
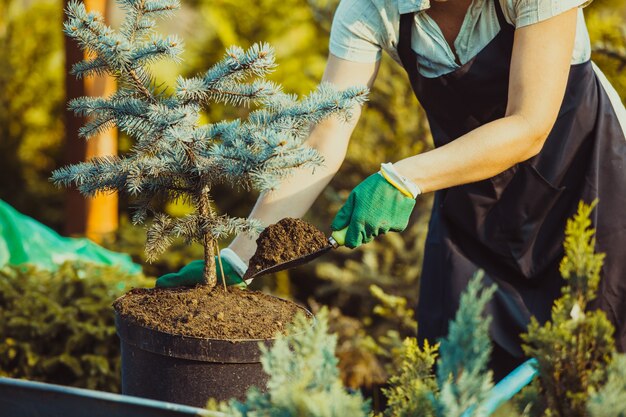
x,y
230,314
285,241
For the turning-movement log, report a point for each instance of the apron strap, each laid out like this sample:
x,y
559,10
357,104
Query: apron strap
x,y
501,19
405,52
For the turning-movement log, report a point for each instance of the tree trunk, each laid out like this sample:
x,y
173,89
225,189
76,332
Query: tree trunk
x,y
98,216
206,213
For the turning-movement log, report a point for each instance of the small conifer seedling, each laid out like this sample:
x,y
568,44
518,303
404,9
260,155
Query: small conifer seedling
x,y
175,156
575,348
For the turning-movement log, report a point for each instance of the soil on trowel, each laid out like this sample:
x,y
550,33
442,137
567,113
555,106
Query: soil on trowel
x,y
285,241
230,314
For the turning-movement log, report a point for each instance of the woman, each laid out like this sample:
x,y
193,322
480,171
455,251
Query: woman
x,y
525,126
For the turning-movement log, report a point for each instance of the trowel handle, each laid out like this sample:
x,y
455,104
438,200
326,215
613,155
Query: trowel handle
x,y
339,237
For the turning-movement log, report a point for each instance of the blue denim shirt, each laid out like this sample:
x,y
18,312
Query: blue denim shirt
x,y
362,29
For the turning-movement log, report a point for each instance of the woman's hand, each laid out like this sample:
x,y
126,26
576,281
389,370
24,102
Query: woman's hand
x,y
193,273
373,208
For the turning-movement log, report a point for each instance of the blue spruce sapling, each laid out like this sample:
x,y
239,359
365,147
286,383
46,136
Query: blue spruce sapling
x,y
174,156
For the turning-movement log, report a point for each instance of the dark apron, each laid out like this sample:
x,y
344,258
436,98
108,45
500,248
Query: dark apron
x,y
512,225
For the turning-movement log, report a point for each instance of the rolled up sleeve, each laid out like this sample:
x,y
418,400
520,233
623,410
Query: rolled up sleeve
x,y
528,12
355,31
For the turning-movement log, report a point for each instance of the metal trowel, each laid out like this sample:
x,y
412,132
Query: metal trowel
x,y
336,239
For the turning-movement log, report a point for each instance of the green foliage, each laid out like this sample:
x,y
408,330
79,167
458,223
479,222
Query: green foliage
x,y
411,390
580,266
574,348
393,307
399,323
58,327
31,106
606,20
610,400
303,377
377,283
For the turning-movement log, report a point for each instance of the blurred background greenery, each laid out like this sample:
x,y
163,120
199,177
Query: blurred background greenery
x,y
371,320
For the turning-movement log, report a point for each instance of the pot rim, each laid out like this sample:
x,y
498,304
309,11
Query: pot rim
x,y
191,347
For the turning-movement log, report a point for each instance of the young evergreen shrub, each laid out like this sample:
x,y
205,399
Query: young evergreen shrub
x,y
303,377
462,374
58,327
575,347
463,379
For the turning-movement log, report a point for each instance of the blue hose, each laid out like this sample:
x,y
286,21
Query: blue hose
x,y
507,387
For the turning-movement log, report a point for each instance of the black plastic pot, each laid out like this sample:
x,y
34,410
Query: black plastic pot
x,y
187,370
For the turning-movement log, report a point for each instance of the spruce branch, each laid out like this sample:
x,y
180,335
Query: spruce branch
x,y
90,67
236,65
159,236
102,174
158,48
462,373
97,125
141,85
86,28
160,8
113,48
223,226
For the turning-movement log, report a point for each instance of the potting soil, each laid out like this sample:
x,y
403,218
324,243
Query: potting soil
x,y
215,314
285,241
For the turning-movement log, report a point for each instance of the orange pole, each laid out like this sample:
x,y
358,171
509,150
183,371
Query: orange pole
x,y
98,216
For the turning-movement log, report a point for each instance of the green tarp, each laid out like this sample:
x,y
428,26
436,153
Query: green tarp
x,y
25,240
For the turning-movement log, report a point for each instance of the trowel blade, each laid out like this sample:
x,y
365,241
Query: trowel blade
x,y
292,263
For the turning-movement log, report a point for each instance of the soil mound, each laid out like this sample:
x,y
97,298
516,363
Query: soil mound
x,y
218,314
284,241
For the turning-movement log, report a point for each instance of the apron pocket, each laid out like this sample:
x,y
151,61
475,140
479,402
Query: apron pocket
x,y
522,211
505,214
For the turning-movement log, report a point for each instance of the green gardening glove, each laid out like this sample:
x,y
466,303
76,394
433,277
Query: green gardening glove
x,y
374,207
191,274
